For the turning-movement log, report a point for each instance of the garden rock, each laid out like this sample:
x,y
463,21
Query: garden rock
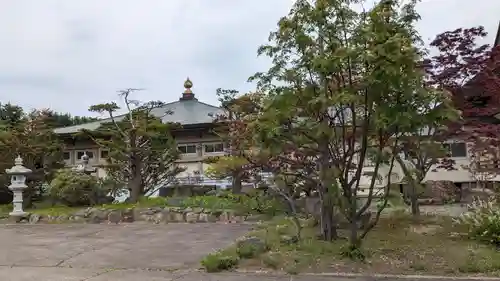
x,y
176,217
98,214
191,217
154,215
158,218
34,218
62,218
84,213
115,217
204,217
128,215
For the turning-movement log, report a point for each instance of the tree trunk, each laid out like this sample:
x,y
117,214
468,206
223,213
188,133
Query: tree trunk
x,y
415,209
236,185
135,182
328,223
134,186
354,241
328,220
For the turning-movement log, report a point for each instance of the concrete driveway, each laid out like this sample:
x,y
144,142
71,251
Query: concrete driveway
x,y
108,252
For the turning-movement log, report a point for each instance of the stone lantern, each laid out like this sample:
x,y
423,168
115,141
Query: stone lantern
x,y
84,167
17,184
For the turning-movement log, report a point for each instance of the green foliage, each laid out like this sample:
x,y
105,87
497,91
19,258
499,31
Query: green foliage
x,y
31,137
247,251
142,151
482,221
261,202
209,202
56,119
257,203
250,248
73,188
219,261
225,166
271,260
345,84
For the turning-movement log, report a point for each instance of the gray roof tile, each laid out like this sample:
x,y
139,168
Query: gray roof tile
x,y
185,112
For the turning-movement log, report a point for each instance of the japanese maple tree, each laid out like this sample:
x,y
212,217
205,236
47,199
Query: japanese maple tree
x,y
471,73
341,92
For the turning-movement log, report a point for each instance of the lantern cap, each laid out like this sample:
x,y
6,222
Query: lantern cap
x,y
18,168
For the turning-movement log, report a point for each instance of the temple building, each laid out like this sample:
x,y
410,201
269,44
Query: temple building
x,y
194,139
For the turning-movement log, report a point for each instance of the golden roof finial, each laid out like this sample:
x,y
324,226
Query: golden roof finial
x,y
188,85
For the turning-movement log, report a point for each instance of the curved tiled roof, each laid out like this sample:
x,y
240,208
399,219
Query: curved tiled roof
x,y
185,112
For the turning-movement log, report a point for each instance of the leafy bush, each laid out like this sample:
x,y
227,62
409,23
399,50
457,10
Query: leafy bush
x,y
261,202
255,203
219,261
209,202
482,221
250,247
271,260
74,189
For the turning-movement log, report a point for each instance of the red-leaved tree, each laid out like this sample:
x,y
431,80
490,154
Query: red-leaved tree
x,y
471,73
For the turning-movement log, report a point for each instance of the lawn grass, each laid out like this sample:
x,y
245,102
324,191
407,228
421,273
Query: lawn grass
x,y
397,245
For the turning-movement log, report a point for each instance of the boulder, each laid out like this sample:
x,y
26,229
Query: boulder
x,y
192,217
83,213
128,215
34,218
174,216
159,218
115,217
97,215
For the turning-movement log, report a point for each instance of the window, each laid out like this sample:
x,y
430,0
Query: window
x,y
187,148
214,147
80,153
104,154
458,149
66,155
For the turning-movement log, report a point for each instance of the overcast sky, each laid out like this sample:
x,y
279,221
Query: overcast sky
x,y
67,55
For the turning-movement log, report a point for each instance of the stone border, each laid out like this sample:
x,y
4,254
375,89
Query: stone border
x,y
157,215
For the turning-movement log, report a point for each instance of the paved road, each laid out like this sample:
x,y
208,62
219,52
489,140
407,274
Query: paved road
x,y
76,252
74,274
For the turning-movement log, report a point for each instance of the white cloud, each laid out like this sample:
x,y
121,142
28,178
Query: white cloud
x,y
68,55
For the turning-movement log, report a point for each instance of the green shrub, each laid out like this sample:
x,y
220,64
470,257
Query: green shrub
x,y
250,247
271,260
246,251
74,189
260,202
254,203
219,261
482,221
209,202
